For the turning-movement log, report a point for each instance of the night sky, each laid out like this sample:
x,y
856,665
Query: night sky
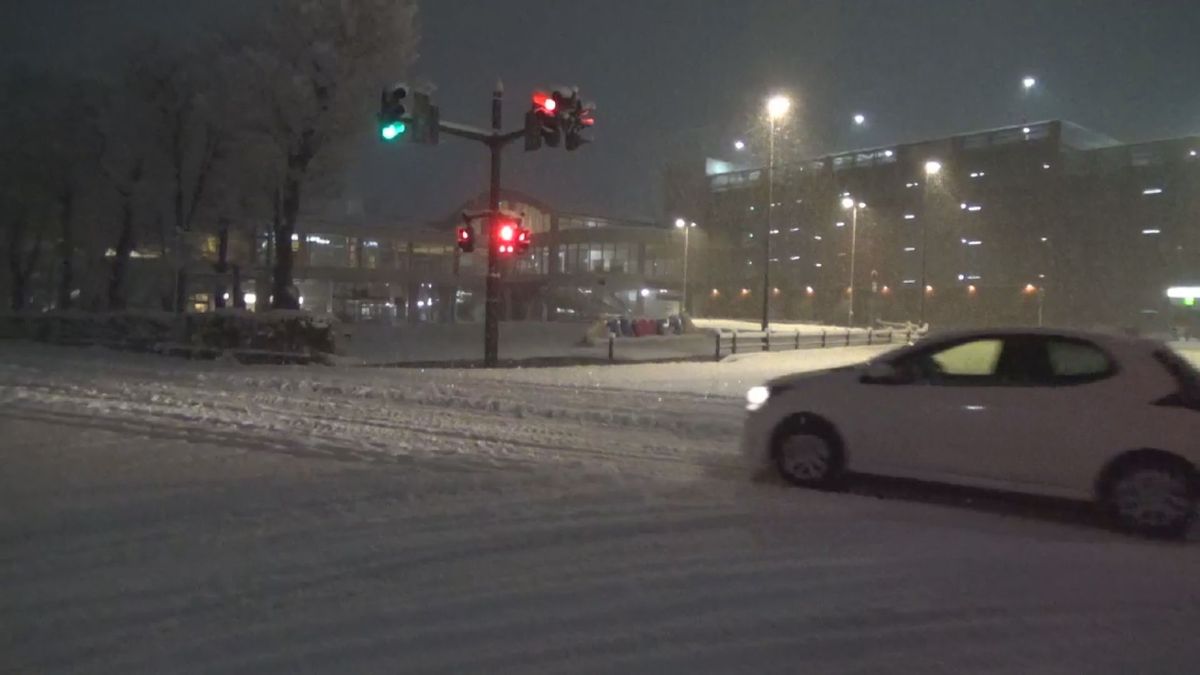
x,y
672,77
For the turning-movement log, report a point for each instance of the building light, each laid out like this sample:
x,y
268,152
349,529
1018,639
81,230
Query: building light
x,y
745,291
929,289
1045,165
775,291
974,242
795,257
1183,292
751,208
1045,239
645,292
973,277
963,206
909,216
316,239
249,298
1152,191
809,290
974,208
774,231
909,249
716,293
817,237
839,224
295,237
1152,230
1191,153
885,290
909,281
888,153
370,244
977,174
794,229
817,264
1025,130
971,289
961,277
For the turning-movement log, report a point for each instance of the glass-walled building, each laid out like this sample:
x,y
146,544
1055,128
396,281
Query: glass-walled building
x,y
364,269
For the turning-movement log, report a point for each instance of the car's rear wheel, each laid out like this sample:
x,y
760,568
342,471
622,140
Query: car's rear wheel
x,y
808,453
1154,496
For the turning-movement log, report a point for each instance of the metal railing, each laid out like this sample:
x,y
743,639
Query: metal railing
x,y
737,342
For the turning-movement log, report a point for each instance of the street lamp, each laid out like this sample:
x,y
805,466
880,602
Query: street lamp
x,y
933,168
739,145
859,119
853,206
777,108
1028,82
682,224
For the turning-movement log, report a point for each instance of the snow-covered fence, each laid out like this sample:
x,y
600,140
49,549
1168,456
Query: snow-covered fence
x,y
734,342
276,336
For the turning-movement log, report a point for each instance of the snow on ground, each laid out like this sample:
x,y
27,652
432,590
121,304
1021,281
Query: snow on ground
x,y
749,326
160,515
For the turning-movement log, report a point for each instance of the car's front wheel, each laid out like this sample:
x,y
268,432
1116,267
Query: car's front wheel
x,y
1152,496
808,453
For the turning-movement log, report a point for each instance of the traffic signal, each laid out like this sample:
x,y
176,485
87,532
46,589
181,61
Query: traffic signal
x,y
524,239
511,238
542,121
466,238
580,119
407,113
555,116
393,112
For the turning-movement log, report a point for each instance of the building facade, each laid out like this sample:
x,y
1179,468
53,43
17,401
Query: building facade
x,y
363,269
1041,222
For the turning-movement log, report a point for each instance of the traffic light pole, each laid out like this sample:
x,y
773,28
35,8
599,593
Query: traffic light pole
x,y
491,309
496,141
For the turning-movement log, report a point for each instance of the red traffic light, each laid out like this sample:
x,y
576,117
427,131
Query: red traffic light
x,y
544,101
507,232
466,239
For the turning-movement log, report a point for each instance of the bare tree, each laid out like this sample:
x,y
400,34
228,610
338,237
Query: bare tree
x,y
183,98
317,69
47,143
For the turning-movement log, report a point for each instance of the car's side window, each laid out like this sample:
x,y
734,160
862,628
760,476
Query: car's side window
x,y
977,358
1076,361
973,362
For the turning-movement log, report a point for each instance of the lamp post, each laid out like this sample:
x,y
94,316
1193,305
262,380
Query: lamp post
x,y
777,108
853,206
684,225
932,169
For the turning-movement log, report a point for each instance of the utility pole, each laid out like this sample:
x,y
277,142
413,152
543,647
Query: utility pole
x,y
491,309
766,233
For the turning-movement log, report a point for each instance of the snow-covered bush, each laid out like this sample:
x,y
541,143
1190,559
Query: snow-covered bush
x,y
279,332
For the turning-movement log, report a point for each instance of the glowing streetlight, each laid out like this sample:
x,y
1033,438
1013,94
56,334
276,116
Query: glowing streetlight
x,y
739,145
849,204
933,167
1028,82
778,106
682,224
860,119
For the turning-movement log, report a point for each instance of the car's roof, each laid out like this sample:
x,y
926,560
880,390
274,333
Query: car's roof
x,y
1102,337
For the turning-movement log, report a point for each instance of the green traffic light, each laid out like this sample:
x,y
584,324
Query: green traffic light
x,y
391,132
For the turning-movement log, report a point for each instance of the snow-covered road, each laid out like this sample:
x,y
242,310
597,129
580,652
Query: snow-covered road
x,y
165,516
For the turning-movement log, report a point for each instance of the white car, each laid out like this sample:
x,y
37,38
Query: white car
x,y
1064,414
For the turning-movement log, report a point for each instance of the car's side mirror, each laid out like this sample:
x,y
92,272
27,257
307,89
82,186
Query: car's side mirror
x,y
881,372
